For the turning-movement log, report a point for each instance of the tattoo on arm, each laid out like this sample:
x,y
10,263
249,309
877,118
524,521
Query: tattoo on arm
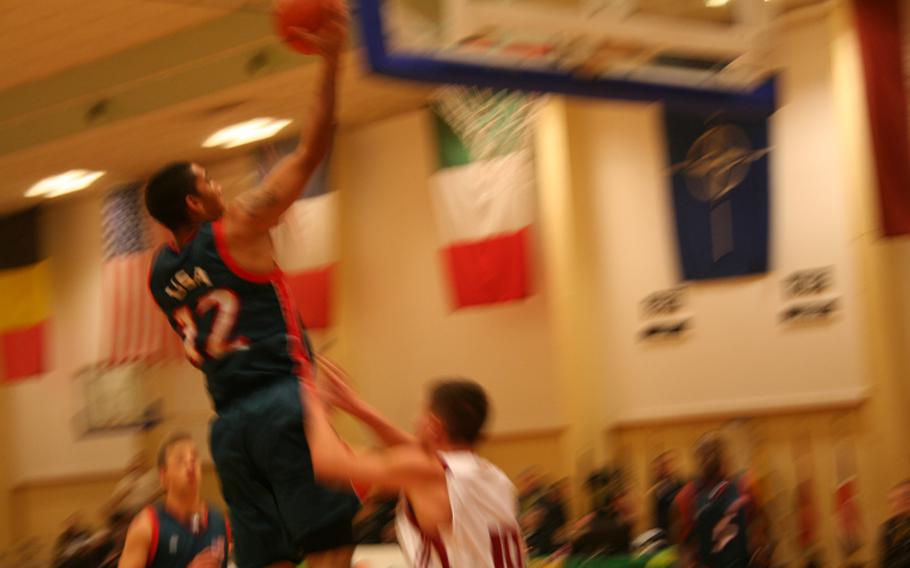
x,y
259,202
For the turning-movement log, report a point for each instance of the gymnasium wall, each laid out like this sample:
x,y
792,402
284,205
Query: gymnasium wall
x,y
396,328
870,435
738,356
44,444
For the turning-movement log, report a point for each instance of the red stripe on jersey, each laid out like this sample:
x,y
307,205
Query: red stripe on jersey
x,y
153,543
227,533
276,278
440,549
292,323
429,543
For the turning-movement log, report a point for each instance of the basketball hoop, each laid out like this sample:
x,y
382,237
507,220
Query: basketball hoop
x,y
490,123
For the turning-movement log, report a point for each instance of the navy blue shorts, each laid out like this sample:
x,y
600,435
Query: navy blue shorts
x,y
278,512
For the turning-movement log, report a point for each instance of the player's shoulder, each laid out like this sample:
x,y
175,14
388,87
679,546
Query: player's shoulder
x,y
469,465
416,461
144,522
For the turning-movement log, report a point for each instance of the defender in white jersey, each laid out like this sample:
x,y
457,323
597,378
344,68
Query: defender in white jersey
x,y
457,509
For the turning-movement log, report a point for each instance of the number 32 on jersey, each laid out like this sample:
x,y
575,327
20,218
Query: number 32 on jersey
x,y
226,307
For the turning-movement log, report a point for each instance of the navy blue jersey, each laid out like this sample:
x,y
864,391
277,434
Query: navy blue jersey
x,y
715,522
175,545
240,328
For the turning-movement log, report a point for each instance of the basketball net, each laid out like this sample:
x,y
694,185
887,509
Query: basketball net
x,y
490,123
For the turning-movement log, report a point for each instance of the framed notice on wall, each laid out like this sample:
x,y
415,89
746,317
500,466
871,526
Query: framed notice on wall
x,y
113,398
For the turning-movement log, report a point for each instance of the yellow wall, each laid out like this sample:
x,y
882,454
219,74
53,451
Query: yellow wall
x,y
516,452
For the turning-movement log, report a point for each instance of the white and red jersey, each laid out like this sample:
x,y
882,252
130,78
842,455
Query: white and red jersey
x,y
484,531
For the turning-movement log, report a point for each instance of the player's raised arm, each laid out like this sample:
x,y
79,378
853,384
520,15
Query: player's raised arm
x,y
339,394
258,210
393,469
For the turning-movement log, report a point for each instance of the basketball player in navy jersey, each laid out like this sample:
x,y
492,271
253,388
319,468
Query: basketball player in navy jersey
x,y
222,292
182,531
718,521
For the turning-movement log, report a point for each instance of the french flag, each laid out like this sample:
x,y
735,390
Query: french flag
x,y
306,242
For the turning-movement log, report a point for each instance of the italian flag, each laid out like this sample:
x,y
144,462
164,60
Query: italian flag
x,y
484,210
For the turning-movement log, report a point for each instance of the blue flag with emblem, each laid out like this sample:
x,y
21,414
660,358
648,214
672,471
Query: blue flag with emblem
x,y
719,168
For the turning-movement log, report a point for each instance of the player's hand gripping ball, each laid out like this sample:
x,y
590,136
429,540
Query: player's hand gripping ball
x,y
297,22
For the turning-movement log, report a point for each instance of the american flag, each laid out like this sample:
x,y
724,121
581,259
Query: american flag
x,y
135,329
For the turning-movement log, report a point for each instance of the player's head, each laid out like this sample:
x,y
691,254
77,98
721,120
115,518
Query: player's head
x,y
454,415
711,457
182,195
179,466
899,498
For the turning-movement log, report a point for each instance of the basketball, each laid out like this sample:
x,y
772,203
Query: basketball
x,y
305,14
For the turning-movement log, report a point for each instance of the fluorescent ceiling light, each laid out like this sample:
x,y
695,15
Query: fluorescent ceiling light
x,y
246,132
716,3
64,183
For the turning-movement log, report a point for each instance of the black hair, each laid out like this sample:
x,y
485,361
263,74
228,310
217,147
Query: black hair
x,y
166,191
169,443
462,406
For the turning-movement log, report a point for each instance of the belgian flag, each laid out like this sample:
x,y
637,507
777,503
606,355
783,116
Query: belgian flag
x,y
24,297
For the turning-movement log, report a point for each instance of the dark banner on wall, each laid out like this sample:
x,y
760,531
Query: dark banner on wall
x,y
719,168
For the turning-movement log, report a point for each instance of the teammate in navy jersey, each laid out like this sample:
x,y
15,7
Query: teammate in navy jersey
x,y
181,531
718,519
222,292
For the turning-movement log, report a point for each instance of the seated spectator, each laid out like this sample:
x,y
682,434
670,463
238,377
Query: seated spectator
x,y
530,489
608,530
605,534
79,547
667,484
895,539
549,520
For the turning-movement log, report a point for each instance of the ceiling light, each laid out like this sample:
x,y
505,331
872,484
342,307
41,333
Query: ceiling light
x,y
246,132
64,183
716,3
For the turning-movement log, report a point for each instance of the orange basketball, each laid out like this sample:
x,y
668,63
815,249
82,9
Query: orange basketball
x,y
306,14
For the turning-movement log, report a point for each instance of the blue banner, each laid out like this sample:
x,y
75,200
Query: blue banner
x,y
719,166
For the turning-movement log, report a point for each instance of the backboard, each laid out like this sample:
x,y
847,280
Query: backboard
x,y
700,52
